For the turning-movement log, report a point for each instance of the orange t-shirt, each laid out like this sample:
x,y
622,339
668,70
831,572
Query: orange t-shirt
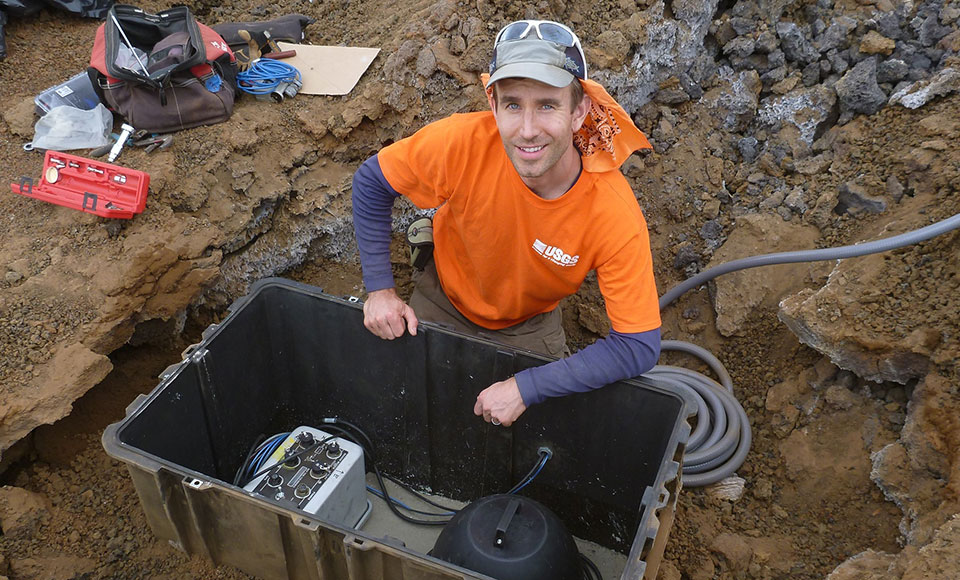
x,y
503,254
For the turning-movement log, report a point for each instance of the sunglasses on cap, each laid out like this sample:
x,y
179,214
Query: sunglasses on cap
x,y
551,32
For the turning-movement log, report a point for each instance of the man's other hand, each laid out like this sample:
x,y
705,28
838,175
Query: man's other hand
x,y
386,315
500,403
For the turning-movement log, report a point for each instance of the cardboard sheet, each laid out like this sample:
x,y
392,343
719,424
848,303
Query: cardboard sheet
x,y
329,70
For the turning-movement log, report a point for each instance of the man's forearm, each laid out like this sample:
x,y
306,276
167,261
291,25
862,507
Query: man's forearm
x,y
617,357
373,199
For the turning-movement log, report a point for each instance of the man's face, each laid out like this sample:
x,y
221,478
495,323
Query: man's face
x,y
536,123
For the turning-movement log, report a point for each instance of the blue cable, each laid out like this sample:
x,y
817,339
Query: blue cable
x,y
264,75
264,452
531,478
545,455
271,448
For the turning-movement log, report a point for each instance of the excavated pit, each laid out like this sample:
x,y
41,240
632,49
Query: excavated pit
x,y
755,150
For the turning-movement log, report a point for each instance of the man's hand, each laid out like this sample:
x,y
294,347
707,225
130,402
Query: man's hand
x,y
500,403
386,315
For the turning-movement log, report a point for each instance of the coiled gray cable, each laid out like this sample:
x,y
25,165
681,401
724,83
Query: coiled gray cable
x,y
721,439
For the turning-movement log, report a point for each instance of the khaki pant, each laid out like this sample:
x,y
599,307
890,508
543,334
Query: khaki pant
x,y
543,333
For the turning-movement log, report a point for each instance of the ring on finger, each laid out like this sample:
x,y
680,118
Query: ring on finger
x,y
495,421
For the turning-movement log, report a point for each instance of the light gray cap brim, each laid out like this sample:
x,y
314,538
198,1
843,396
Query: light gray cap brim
x,y
531,59
545,73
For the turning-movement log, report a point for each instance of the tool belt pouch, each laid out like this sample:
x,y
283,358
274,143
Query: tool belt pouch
x,y
287,28
162,72
420,238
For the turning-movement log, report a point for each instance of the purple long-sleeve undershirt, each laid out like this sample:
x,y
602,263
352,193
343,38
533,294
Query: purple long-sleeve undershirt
x,y
616,357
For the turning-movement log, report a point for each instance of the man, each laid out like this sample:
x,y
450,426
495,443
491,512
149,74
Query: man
x,y
531,200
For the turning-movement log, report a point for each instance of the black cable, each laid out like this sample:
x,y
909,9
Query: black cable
x,y
296,455
402,505
358,430
331,421
396,511
253,449
589,569
422,497
334,423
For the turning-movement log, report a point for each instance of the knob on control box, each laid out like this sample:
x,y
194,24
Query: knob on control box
x,y
318,474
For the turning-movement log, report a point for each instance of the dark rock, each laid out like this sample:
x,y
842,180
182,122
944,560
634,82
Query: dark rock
x,y
888,24
858,89
700,72
741,47
906,50
920,61
748,147
838,62
934,54
691,313
755,61
836,36
853,55
773,76
892,70
853,198
901,86
818,26
811,74
795,45
711,231
671,96
743,25
776,59
766,42
929,31
686,255
691,87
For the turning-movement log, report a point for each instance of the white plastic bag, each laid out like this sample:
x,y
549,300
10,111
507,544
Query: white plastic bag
x,y
64,128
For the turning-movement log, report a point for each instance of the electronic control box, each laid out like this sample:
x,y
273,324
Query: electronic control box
x,y
318,474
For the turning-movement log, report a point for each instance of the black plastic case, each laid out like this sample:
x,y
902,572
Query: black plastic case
x,y
288,354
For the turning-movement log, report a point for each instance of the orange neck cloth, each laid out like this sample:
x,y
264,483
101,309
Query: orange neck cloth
x,y
608,135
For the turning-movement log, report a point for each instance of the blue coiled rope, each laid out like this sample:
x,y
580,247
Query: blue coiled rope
x,y
266,74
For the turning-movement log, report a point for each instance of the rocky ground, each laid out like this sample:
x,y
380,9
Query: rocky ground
x,y
776,126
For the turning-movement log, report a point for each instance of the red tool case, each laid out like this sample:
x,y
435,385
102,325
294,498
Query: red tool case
x,y
103,189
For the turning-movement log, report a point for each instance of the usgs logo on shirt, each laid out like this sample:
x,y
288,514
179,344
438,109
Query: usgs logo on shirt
x,y
555,254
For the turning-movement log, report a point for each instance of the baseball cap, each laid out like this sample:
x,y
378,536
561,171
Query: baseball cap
x,y
541,50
